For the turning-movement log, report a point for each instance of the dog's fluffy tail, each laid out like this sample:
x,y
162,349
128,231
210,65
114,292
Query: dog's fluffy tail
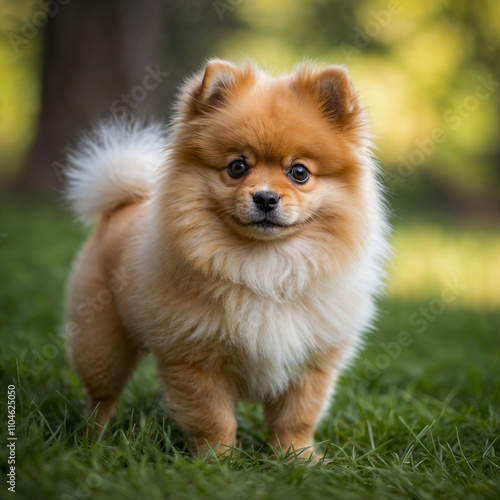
x,y
115,163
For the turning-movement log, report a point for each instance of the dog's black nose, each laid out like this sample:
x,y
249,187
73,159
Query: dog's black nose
x,y
266,200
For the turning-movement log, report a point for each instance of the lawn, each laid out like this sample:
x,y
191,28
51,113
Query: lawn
x,y
417,416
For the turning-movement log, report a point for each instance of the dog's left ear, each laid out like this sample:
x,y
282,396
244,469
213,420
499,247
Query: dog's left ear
x,y
333,92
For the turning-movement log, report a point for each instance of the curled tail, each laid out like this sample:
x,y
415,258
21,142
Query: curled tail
x,y
115,163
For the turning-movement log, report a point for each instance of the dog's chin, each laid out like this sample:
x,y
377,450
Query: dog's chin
x,y
263,229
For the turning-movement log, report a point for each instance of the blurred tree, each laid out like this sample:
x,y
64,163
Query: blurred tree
x,y
106,57
92,56
446,49
418,66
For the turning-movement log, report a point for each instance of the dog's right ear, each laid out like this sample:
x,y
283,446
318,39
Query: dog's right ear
x,y
210,89
219,79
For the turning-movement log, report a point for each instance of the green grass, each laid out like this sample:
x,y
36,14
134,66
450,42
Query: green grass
x,y
420,422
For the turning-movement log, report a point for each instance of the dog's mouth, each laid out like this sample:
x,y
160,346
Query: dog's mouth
x,y
262,223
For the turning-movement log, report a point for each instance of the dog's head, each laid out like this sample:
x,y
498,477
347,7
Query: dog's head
x,y
261,159
275,154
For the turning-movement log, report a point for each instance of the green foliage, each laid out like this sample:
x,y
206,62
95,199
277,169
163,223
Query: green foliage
x,y
418,66
420,420
19,86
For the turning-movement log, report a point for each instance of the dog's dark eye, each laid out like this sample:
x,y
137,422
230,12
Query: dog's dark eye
x,y
237,168
299,173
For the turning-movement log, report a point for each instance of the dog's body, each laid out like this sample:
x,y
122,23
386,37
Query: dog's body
x,y
244,280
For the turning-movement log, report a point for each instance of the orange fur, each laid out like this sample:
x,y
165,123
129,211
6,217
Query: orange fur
x,y
230,312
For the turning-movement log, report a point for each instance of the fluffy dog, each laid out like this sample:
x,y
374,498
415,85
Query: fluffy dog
x,y
243,249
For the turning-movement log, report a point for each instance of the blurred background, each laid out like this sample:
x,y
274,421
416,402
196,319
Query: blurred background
x,y
426,385
428,71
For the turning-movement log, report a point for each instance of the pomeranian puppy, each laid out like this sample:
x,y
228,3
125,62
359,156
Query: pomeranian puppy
x,y
243,249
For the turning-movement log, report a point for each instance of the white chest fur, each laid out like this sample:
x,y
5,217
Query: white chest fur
x,y
270,341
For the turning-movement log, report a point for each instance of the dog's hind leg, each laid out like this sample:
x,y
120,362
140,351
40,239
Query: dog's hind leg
x,y
103,354
104,358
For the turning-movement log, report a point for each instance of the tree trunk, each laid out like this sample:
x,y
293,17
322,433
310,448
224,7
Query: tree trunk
x,y
97,54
